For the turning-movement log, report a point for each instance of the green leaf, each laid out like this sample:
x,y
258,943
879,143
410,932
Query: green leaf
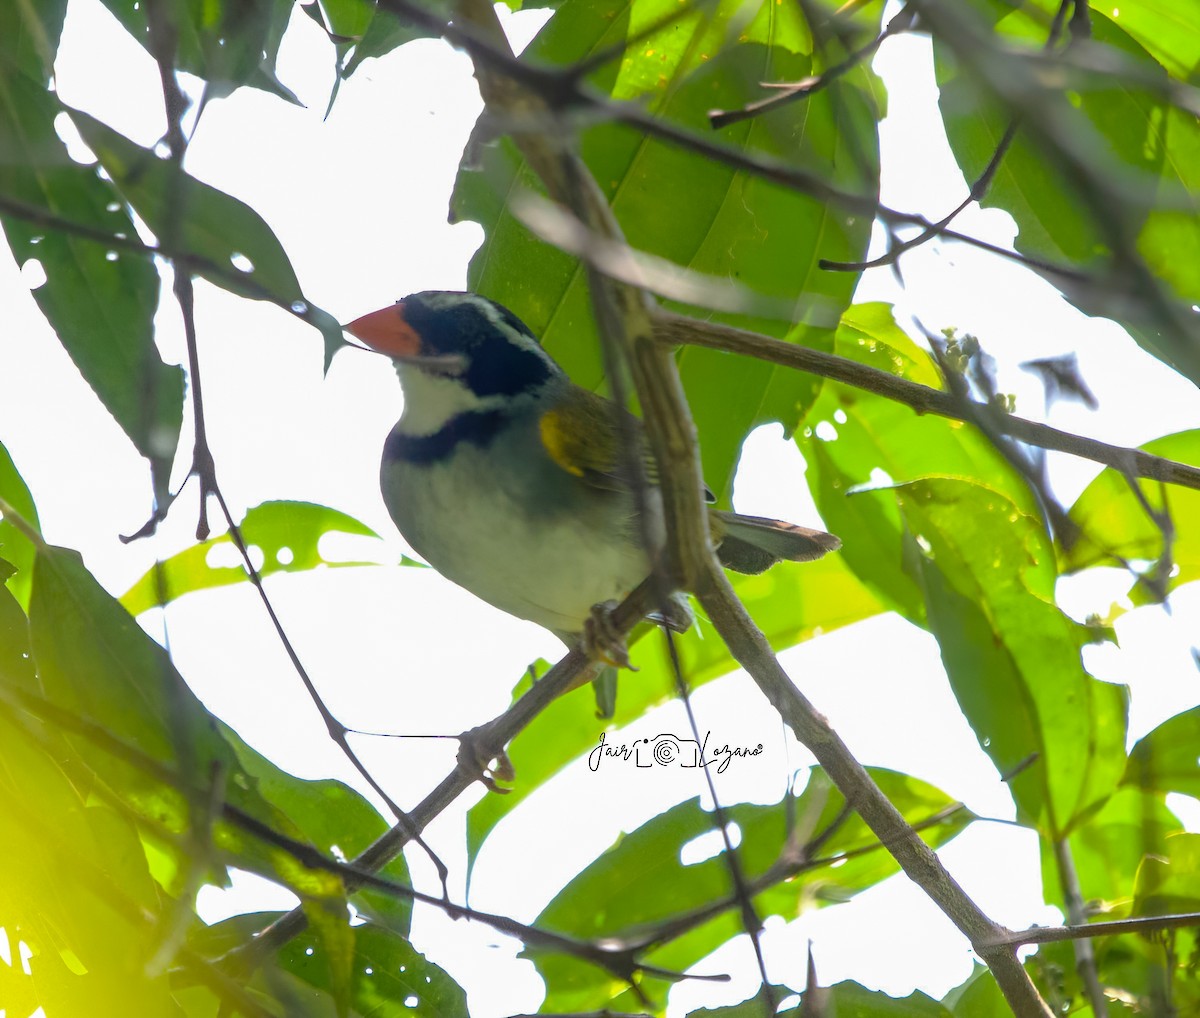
x,y
792,602
857,444
1012,656
751,1007
640,882
99,299
287,534
233,241
1170,31
852,999
843,1000
390,978
978,997
349,19
15,548
1108,848
336,820
725,223
16,658
1165,760
1114,528
1169,882
228,43
385,33
1103,169
29,35
75,886
97,664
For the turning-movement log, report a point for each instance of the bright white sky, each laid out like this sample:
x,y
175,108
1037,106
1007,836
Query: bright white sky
x,y
359,202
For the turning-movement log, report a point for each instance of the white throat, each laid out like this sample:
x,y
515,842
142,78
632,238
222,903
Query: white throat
x,y
431,401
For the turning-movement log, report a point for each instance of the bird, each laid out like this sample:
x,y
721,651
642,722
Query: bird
x,y
510,480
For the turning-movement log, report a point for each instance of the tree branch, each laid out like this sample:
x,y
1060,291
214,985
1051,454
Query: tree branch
x,y
752,651
676,329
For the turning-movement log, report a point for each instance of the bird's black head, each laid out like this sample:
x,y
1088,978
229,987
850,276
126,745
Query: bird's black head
x,y
483,344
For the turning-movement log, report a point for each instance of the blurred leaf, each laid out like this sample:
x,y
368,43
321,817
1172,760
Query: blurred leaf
x,y
1151,975
15,548
792,602
857,445
348,18
72,889
1165,759
97,664
1107,849
1170,31
229,235
843,1000
98,299
850,1000
1103,170
751,1007
765,237
1050,206
16,658
977,997
1169,883
390,978
1115,529
228,43
29,35
287,534
385,33
1013,658
640,882
336,820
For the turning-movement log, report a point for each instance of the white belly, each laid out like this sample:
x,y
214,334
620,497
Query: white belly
x,y
548,565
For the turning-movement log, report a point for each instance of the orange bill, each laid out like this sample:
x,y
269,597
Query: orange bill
x,y
386,332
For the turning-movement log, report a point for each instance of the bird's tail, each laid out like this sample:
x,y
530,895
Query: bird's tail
x,y
750,544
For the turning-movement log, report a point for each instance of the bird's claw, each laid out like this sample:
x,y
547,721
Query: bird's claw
x,y
493,768
601,640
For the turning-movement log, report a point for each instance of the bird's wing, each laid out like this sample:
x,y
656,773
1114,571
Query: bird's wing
x,y
583,433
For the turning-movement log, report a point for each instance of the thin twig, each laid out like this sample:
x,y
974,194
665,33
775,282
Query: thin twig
x,y
680,330
752,651
790,93
671,435
88,874
1085,955
582,68
1111,928
203,465
617,959
337,731
975,193
561,92
742,893
482,743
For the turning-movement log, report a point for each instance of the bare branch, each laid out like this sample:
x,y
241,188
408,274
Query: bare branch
x,y
752,651
1115,927
681,330
717,119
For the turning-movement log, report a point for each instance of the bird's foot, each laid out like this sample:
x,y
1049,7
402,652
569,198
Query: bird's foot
x,y
601,640
675,614
478,757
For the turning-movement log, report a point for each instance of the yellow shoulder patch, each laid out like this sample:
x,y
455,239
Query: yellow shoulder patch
x,y
560,443
581,435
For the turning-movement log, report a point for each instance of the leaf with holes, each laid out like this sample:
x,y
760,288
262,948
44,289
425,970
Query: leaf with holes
x,y
286,535
229,243
641,884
